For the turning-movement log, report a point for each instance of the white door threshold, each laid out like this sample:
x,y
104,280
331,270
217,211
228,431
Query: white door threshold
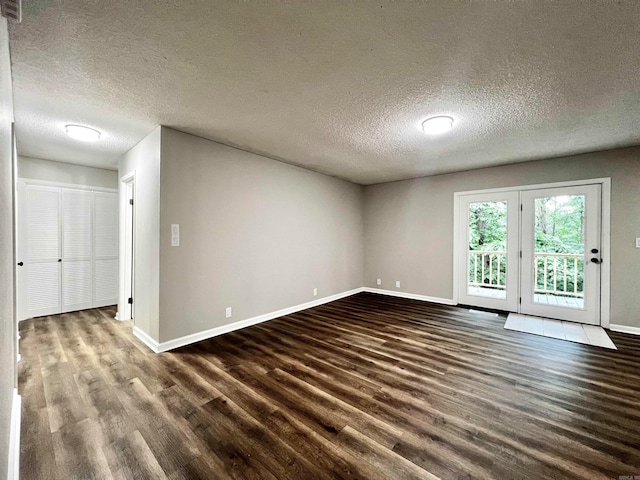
x,y
559,329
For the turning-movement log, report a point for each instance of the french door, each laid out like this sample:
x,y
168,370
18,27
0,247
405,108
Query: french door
x,y
561,253
535,252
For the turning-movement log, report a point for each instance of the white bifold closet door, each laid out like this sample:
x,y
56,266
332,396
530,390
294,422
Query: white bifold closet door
x,y
76,248
41,248
68,250
105,256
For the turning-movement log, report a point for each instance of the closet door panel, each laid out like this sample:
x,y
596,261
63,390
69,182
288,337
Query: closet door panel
x,y
43,223
106,225
43,289
40,251
76,246
105,266
106,284
76,212
76,285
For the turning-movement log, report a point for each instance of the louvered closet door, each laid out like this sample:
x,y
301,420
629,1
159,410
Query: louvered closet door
x,y
41,252
76,248
106,249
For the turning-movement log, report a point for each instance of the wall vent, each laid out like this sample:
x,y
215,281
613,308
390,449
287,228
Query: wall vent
x,y
12,10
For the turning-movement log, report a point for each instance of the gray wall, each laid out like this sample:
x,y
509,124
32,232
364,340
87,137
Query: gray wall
x,y
144,159
39,169
256,235
7,318
409,224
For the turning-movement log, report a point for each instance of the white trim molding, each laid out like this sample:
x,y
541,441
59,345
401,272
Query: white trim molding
x,y
13,472
126,246
412,296
605,266
146,339
624,329
159,347
70,186
128,177
538,186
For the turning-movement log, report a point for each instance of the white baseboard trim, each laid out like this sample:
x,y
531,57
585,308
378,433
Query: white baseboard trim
x,y
624,329
14,437
146,339
412,296
214,332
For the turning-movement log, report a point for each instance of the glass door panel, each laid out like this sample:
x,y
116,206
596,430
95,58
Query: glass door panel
x,y
488,276
487,253
559,250
560,230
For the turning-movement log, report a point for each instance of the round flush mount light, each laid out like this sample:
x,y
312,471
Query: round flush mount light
x,y
437,125
82,133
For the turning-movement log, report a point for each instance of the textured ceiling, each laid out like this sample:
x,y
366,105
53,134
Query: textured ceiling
x,y
337,87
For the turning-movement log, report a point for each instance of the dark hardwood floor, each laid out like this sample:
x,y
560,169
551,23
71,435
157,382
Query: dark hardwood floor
x,y
368,387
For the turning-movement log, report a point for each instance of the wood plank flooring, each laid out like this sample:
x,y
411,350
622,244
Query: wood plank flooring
x,y
367,387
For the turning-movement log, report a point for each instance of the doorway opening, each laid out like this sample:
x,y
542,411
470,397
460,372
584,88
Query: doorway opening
x,y
539,250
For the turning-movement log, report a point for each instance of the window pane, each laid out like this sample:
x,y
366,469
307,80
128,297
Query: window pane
x,y
488,249
559,250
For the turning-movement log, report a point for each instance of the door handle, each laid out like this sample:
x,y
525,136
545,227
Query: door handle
x,y
20,264
59,259
594,250
596,260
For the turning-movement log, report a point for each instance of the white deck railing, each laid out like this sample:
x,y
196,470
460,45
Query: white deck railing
x,y
562,267
489,266
558,273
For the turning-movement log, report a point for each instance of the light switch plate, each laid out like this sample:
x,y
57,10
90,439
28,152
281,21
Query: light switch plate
x,y
637,242
175,235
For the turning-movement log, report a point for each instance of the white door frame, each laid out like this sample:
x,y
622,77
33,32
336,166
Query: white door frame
x,y
14,238
605,271
127,250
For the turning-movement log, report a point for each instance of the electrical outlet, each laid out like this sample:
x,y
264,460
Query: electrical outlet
x,y
379,281
227,312
637,242
315,292
397,283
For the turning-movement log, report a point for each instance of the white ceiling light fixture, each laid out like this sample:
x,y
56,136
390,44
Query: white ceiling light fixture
x,y
437,125
82,133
